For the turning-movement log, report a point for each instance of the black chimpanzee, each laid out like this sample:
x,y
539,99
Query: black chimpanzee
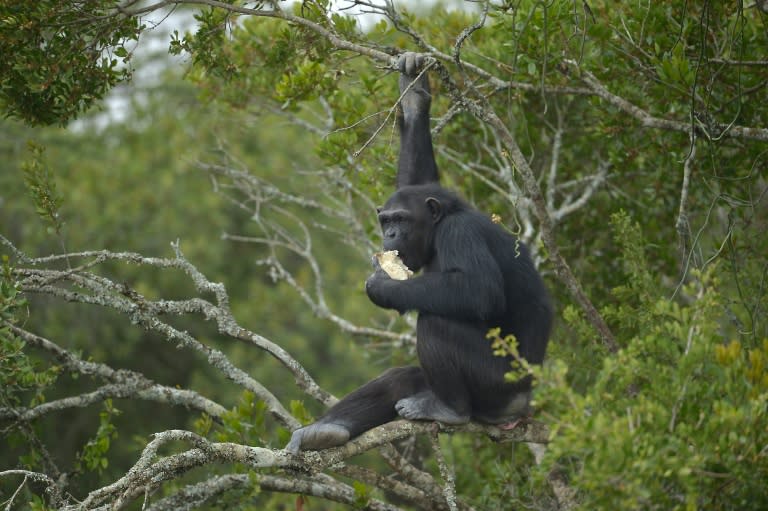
x,y
476,276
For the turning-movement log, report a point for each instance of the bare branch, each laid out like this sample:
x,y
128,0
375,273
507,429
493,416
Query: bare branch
x,y
195,495
413,475
429,63
125,384
103,292
410,493
449,480
746,63
649,121
106,294
593,183
263,197
681,225
149,472
557,145
51,487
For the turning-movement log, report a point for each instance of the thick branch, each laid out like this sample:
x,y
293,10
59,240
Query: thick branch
x,y
196,495
148,473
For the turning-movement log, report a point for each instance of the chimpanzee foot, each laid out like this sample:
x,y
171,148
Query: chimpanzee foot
x,y
509,426
516,412
427,407
317,436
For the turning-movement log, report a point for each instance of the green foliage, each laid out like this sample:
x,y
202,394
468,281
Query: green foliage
x,y
254,487
37,503
59,59
94,453
203,425
42,187
300,412
206,44
308,81
363,495
628,309
508,346
244,423
11,299
676,420
20,375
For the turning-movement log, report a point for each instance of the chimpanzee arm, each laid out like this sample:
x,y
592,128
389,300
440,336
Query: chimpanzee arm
x,y
455,293
417,158
467,283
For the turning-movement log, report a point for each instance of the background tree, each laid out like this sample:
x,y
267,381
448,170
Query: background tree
x,y
624,143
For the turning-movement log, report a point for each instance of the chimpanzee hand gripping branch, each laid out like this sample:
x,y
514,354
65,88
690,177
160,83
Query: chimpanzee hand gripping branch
x,y
474,276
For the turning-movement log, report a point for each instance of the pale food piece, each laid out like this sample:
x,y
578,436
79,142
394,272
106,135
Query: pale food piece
x,y
393,265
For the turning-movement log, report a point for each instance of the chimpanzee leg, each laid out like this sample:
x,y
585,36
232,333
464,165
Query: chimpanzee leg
x,y
447,399
369,406
444,351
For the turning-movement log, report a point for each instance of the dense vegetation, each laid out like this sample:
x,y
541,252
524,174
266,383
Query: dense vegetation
x,y
172,246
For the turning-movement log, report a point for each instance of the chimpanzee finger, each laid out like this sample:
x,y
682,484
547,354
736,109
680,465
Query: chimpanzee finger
x,y
410,63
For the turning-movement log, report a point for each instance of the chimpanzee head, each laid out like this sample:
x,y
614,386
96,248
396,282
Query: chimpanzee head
x,y
409,221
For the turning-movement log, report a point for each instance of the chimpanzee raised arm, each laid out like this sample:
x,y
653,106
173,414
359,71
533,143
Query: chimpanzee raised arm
x,y
416,165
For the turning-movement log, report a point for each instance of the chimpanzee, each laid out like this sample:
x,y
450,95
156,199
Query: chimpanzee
x,y
475,276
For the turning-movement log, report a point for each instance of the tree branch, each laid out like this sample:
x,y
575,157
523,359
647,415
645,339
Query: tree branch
x,y
148,472
449,480
103,292
195,495
649,121
51,487
125,384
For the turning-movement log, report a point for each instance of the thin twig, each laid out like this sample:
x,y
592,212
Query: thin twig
x,y
681,225
429,63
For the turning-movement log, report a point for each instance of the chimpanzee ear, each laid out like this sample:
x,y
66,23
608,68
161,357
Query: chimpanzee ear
x,y
435,209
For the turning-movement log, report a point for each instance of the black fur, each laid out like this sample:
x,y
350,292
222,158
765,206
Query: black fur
x,y
475,276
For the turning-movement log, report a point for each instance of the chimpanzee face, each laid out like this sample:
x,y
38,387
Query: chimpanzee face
x,y
407,225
